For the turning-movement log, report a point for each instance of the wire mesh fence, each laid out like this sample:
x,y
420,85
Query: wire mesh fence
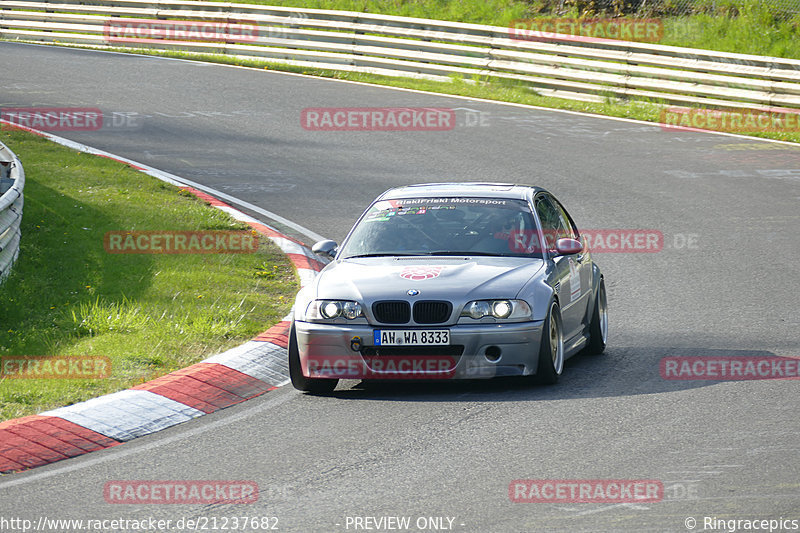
x,y
779,9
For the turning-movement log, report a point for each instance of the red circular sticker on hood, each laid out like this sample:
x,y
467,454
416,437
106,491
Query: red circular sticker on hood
x,y
419,273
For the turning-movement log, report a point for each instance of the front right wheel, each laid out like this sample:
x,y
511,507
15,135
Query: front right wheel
x,y
551,350
299,381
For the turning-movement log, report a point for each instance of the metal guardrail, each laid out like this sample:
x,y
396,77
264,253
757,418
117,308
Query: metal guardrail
x,y
12,181
558,65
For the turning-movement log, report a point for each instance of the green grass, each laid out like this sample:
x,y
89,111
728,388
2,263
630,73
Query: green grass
x,y
150,314
753,32
494,12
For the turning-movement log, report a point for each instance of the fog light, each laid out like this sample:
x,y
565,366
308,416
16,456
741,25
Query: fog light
x,y
493,354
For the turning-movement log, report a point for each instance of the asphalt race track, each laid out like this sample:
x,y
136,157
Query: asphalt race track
x,y
724,284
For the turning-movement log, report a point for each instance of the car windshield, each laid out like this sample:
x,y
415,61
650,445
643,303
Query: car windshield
x,y
445,226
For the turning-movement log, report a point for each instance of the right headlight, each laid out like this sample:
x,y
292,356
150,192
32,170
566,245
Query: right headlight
x,y
499,309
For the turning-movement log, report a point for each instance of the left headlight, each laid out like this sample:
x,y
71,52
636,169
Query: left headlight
x,y
333,309
499,309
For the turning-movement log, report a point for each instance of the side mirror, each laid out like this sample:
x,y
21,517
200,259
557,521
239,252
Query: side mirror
x,y
325,248
568,246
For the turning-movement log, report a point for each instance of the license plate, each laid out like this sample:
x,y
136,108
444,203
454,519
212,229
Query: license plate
x,y
411,337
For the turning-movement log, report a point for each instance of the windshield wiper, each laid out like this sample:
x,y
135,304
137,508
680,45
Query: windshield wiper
x,y
424,254
377,254
465,254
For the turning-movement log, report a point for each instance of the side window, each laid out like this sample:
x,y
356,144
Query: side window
x,y
553,225
566,221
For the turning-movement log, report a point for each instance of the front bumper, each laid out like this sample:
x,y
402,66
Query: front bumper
x,y
489,350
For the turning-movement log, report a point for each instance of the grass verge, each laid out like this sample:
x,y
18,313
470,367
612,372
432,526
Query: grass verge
x,y
150,314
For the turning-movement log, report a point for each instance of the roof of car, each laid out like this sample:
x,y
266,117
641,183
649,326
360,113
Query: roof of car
x,y
469,189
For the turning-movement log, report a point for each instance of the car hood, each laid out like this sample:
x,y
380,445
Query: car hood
x,y
450,278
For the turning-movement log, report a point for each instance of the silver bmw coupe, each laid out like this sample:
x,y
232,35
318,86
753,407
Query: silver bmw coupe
x,y
450,281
